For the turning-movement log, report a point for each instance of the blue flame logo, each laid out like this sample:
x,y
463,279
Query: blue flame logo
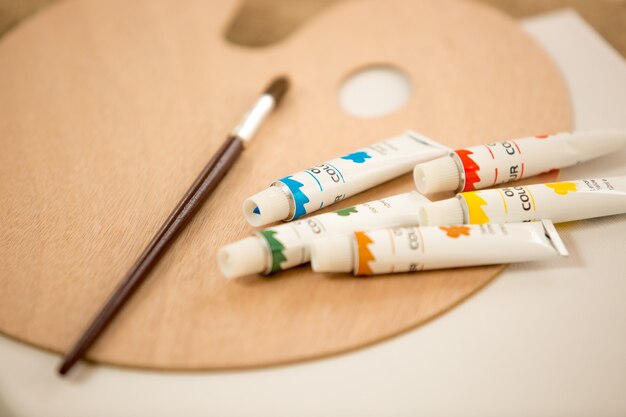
x,y
357,157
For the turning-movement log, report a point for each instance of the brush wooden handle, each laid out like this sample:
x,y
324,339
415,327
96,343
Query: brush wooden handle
x,y
201,188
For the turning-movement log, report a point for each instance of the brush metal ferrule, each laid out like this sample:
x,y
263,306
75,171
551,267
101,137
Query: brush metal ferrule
x,y
253,119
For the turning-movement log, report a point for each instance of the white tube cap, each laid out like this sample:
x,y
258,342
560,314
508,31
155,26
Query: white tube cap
x,y
441,174
332,254
244,257
444,212
268,206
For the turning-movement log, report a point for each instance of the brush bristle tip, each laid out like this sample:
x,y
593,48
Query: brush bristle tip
x,y
277,88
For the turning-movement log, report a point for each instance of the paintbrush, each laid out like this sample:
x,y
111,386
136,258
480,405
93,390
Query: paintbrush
x,y
201,188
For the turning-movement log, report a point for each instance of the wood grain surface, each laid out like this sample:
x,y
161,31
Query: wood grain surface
x,y
263,22
110,109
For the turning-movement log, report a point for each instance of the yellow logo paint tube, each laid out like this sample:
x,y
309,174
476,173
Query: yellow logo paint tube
x,y
560,202
411,249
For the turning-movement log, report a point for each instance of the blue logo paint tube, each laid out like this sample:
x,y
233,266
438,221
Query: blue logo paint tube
x,y
306,191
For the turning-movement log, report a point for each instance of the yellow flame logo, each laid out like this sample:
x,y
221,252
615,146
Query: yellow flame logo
x,y
474,207
562,187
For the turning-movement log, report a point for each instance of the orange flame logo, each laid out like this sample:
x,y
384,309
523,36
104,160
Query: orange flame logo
x,y
456,231
365,255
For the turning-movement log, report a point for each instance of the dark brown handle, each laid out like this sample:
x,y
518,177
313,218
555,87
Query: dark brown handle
x,y
202,187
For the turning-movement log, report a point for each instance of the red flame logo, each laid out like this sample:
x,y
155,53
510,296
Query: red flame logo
x,y
470,167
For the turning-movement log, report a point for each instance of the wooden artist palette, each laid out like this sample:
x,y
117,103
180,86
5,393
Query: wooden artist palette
x,y
109,109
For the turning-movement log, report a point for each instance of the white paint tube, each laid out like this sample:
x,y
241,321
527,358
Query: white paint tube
x,y
483,166
287,245
412,249
306,191
559,201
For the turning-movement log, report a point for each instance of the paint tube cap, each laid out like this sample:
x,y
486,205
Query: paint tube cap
x,y
441,174
444,212
332,254
244,257
268,206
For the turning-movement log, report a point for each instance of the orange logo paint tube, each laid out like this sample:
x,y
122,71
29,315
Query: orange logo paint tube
x,y
411,249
